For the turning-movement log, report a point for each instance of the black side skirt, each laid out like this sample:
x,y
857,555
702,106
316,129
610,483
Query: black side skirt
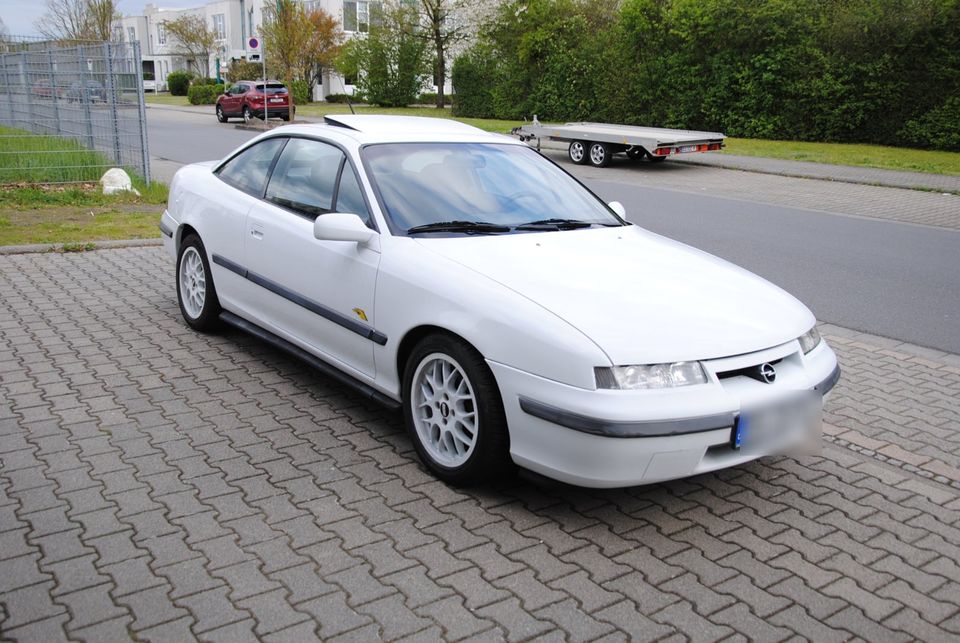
x,y
330,371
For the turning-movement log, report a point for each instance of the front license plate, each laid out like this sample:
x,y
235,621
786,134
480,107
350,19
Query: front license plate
x,y
791,425
276,100
687,148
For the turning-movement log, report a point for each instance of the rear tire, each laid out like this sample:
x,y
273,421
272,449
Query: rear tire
x,y
600,154
247,114
655,159
196,293
636,153
453,411
577,152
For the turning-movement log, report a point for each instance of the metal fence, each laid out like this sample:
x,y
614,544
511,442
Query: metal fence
x,y
70,110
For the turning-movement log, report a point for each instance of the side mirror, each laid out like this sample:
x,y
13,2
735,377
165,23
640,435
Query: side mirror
x,y
617,207
227,93
339,226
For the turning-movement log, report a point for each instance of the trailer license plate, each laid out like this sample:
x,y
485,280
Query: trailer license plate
x,y
687,148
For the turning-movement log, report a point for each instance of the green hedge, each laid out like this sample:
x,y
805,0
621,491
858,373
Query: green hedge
x,y
178,82
300,89
865,71
204,94
339,98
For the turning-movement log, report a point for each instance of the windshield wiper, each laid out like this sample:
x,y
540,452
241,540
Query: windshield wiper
x,y
459,226
555,224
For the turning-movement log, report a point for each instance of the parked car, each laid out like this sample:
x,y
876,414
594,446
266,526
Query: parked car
x,y
248,99
46,88
513,316
90,91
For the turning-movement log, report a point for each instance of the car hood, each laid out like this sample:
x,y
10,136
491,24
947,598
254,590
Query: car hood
x,y
642,298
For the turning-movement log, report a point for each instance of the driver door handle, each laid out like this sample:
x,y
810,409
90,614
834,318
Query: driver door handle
x,y
256,232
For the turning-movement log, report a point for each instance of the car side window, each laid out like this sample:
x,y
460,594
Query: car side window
x,y
350,196
305,177
248,170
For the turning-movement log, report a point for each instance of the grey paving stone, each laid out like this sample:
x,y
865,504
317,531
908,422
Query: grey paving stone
x,y
219,490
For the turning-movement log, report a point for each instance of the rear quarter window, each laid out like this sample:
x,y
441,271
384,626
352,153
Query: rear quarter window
x,y
248,170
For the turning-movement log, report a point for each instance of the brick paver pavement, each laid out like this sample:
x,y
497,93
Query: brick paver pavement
x,y
163,485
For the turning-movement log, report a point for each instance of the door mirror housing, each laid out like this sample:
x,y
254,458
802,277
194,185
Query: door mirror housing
x,y
226,92
617,207
340,226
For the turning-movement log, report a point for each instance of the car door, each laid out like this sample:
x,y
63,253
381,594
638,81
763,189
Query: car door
x,y
220,215
316,293
231,103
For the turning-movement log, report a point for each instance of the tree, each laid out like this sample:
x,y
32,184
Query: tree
x,y
442,24
195,41
79,20
322,48
390,62
286,34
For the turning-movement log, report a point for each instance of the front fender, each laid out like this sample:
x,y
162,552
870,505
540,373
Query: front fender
x,y
417,288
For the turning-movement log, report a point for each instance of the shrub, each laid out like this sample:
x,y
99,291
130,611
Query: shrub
x,y
148,75
939,128
339,98
204,94
430,98
300,90
203,81
243,70
178,82
474,76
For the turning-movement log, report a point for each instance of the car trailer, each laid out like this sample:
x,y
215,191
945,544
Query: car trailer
x,y
596,143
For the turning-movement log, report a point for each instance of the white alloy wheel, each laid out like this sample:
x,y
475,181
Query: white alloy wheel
x,y
193,282
577,152
598,153
444,410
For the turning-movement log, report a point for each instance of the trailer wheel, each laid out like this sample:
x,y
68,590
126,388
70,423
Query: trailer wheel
x,y
600,155
636,153
577,152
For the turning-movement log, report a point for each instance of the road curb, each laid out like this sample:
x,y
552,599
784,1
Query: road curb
x,y
81,246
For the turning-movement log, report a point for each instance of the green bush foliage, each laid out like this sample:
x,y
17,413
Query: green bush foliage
x,y
204,94
340,98
391,62
178,82
300,89
430,98
866,71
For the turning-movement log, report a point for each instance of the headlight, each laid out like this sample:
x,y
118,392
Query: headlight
x,y
647,376
809,340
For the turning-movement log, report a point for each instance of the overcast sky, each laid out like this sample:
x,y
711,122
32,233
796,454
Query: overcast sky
x,y
20,15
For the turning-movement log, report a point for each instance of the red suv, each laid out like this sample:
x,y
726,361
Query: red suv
x,y
246,98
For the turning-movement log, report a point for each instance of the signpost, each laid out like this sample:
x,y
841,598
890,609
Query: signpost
x,y
254,44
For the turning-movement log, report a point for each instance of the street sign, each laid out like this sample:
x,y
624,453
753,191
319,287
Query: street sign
x,y
253,43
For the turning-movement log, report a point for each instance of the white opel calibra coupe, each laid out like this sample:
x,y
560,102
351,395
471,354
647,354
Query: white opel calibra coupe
x,y
512,314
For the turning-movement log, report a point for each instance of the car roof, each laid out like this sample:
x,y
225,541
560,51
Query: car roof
x,y
375,128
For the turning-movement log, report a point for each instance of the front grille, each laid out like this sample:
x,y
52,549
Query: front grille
x,y
745,370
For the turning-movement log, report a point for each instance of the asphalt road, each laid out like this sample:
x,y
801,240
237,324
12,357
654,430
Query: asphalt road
x,y
884,277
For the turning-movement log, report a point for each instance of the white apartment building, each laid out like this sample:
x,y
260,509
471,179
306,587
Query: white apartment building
x,y
234,22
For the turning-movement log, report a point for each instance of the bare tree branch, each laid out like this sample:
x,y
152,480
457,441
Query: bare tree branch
x,y
79,20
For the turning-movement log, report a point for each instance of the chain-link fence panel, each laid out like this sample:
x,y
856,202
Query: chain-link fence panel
x,y
69,111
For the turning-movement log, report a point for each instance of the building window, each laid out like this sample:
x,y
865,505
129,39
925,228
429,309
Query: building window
x,y
219,28
359,15
161,34
131,34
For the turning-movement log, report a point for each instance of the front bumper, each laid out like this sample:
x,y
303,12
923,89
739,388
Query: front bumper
x,y
602,438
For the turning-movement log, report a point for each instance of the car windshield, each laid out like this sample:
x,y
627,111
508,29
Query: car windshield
x,y
478,188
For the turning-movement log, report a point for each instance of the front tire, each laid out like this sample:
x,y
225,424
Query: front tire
x,y
220,115
196,293
454,412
